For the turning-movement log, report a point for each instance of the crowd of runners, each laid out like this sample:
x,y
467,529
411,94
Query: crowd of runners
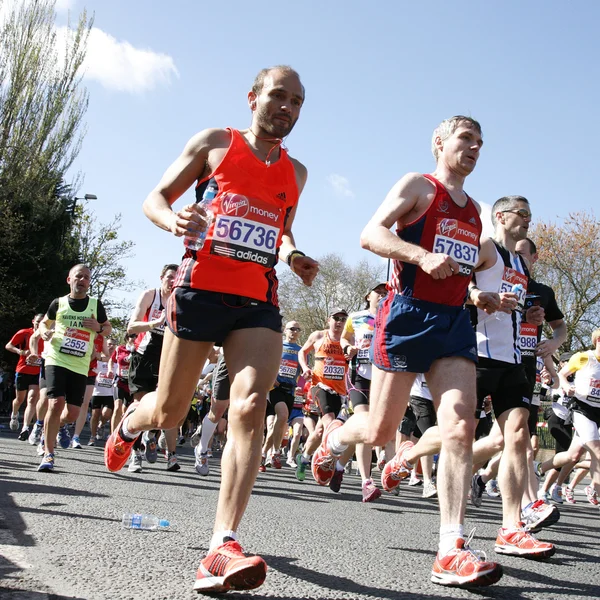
x,y
413,379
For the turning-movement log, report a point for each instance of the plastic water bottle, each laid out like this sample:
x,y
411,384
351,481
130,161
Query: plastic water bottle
x,y
515,289
145,522
196,243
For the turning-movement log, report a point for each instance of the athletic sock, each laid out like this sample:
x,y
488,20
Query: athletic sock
x,y
305,458
527,509
125,433
40,423
220,537
208,429
448,536
336,447
339,466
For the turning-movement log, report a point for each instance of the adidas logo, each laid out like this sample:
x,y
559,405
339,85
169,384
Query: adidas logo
x,y
281,195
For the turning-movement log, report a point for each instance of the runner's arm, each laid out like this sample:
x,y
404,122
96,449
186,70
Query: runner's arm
x,y
559,335
305,267
136,322
13,347
178,178
408,198
304,352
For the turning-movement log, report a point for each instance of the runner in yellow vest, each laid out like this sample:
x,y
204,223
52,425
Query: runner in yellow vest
x,y
77,319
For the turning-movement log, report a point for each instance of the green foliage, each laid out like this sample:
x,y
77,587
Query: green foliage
x,y
42,106
569,262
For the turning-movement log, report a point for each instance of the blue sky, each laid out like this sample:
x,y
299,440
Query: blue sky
x,y
379,77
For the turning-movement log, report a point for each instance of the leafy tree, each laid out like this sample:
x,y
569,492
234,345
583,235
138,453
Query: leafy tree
x,y
42,105
337,285
103,252
569,262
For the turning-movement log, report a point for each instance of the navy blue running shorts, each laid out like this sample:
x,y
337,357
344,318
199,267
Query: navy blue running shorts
x,y
411,334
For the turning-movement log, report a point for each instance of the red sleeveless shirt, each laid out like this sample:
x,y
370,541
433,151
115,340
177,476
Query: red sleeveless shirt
x,y
250,210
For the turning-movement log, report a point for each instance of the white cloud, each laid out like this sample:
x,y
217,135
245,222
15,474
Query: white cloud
x,y
119,66
340,185
63,6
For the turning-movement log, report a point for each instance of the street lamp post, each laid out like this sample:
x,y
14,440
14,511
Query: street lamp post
x,y
85,197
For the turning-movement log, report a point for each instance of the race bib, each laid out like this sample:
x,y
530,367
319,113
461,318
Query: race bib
x,y
510,278
246,230
528,339
363,351
103,381
75,342
124,373
35,362
594,391
334,372
459,241
288,369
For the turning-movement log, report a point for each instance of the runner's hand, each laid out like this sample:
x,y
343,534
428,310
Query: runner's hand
x,y
438,265
306,374
535,315
508,302
488,302
91,323
306,268
190,221
351,352
546,348
47,335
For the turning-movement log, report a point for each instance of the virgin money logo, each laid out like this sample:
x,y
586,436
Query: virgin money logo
x,y
510,275
448,227
235,205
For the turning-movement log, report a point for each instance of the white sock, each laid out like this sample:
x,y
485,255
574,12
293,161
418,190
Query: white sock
x,y
208,429
14,415
339,466
448,536
218,538
336,447
127,435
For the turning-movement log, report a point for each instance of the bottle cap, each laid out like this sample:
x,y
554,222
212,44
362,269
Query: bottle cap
x,y
163,523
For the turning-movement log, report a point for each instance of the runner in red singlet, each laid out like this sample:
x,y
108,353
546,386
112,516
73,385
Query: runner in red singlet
x,y
423,327
226,294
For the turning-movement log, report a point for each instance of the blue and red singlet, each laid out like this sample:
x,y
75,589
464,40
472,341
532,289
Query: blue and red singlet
x,y
446,228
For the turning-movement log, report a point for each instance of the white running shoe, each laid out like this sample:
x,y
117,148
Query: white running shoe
x,y
36,434
195,437
429,490
135,462
201,462
75,443
556,494
162,441
492,489
14,422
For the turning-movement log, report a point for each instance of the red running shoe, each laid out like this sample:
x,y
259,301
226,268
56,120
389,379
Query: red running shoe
x,y
397,469
519,542
262,468
276,461
228,568
323,461
116,449
464,567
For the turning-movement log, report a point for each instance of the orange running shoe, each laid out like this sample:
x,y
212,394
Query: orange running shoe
x,y
323,460
396,469
276,461
116,449
518,542
262,468
228,568
464,567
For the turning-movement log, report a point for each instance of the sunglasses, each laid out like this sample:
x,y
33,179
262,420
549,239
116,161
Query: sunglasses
x,y
294,329
339,319
522,212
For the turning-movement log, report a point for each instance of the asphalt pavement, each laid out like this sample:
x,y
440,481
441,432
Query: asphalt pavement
x,y
61,536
